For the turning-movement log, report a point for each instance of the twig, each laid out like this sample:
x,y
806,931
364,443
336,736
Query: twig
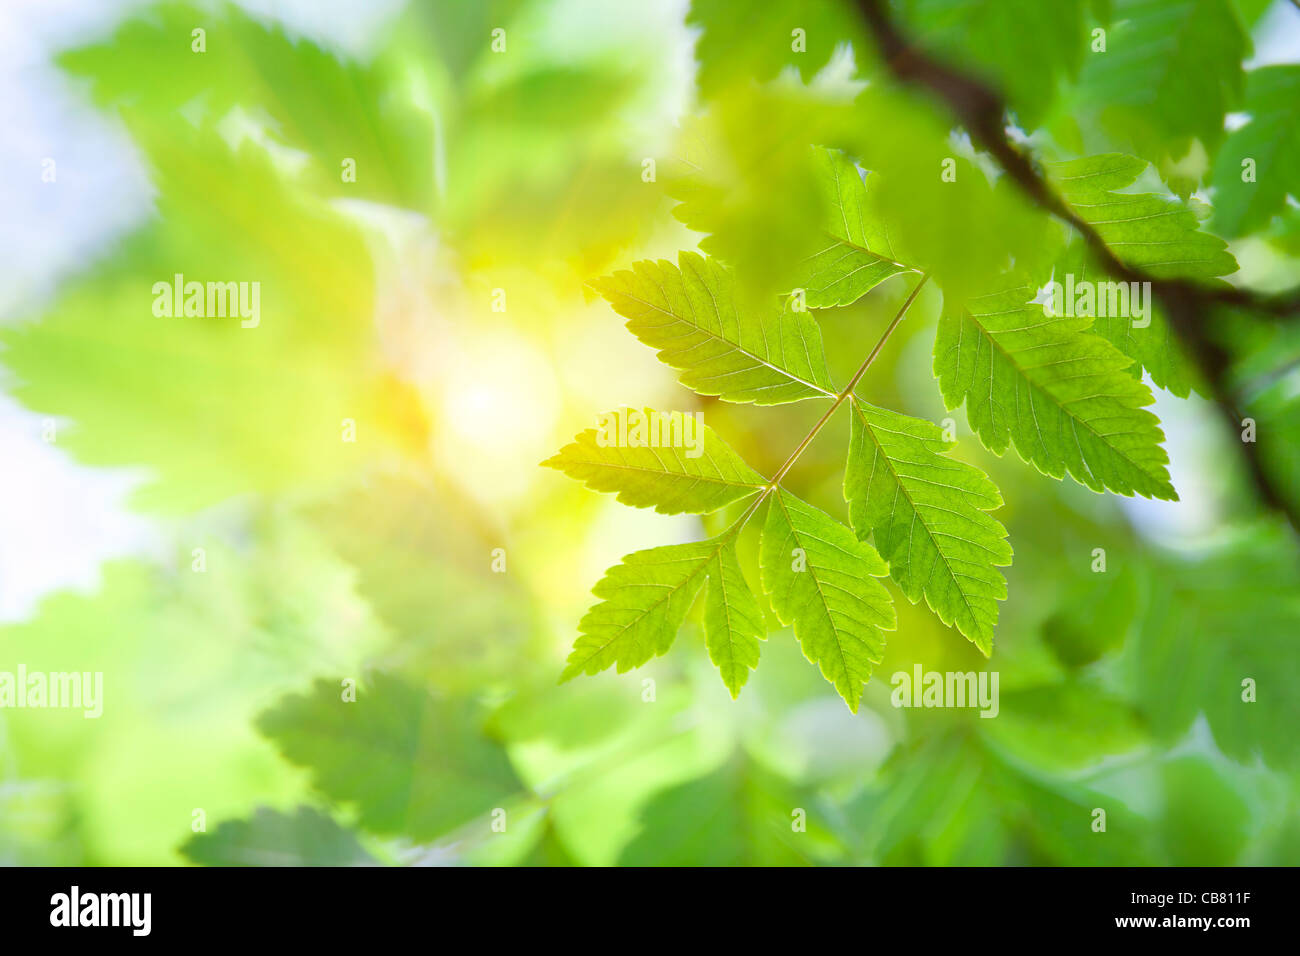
x,y
775,481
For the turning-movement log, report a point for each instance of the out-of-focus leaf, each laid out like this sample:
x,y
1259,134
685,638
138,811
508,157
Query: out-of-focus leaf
x,y
1270,142
423,559
1276,418
456,36
942,215
1095,617
1218,637
324,106
1251,10
744,175
38,823
188,659
1066,726
1170,73
738,815
550,851
1022,46
215,408
305,837
740,42
1205,821
953,801
411,763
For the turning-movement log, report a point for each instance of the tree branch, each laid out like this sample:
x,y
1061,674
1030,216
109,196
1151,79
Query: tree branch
x,y
982,112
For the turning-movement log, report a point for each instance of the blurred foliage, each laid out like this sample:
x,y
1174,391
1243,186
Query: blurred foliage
x,y
433,566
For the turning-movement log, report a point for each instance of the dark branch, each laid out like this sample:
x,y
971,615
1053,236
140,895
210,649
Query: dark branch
x,y
982,112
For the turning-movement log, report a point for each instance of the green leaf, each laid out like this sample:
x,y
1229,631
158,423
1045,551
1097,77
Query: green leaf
x,y
1272,140
859,256
680,467
1094,617
693,315
315,102
1152,344
203,401
1196,790
306,837
646,599
733,621
417,549
820,579
549,850
1155,233
412,763
1152,232
744,174
955,800
1170,72
927,513
1065,725
1210,625
738,815
944,216
739,43
1060,394
1022,46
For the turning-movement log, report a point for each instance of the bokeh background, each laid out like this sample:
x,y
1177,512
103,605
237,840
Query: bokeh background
x,y
127,442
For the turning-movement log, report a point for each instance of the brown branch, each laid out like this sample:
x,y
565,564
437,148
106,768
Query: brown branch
x,y
982,112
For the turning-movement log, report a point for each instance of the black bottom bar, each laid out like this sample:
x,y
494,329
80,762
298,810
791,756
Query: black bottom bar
x,y
333,906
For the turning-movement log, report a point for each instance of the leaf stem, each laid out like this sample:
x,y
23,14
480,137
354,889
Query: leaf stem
x,y
771,486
